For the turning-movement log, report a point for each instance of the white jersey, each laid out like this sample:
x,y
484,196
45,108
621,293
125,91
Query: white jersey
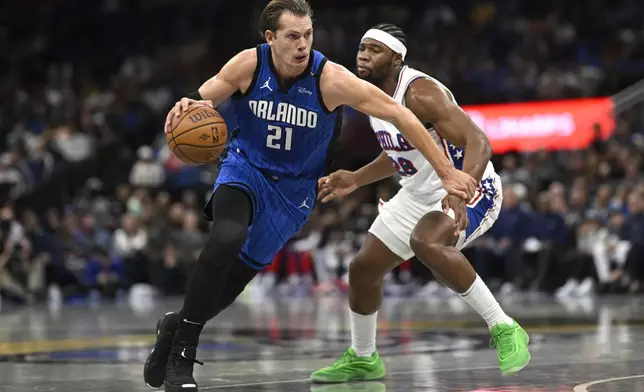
x,y
418,176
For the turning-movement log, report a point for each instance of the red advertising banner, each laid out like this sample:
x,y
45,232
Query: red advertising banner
x,y
551,125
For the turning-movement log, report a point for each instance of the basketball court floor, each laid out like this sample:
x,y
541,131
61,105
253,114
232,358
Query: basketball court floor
x,y
273,345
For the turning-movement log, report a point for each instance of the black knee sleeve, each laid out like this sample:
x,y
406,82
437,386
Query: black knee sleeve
x,y
231,212
226,239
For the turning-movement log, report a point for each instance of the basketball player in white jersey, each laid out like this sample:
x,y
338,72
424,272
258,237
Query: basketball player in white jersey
x,y
420,220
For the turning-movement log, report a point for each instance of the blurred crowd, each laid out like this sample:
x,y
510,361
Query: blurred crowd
x,y
93,202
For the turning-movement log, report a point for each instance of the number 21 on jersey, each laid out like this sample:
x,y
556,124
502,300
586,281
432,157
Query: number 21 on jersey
x,y
279,138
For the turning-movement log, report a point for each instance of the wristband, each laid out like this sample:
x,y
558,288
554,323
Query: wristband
x,y
196,96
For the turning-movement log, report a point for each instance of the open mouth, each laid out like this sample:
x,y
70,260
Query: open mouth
x,y
301,58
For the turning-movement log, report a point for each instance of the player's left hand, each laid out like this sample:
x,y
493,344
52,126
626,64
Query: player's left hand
x,y
456,204
460,184
181,107
337,184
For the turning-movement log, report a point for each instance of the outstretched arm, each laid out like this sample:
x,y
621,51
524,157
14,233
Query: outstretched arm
x,y
430,103
376,170
343,182
340,87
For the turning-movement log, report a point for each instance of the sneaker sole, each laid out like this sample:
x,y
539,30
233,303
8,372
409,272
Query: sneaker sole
x,y
324,380
170,388
518,368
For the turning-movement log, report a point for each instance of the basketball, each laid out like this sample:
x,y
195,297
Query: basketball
x,y
198,136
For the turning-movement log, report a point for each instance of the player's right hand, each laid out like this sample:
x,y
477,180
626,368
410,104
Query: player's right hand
x,y
181,107
458,206
337,184
461,184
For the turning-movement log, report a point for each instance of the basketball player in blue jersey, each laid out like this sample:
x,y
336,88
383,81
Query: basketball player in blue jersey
x,y
422,219
287,99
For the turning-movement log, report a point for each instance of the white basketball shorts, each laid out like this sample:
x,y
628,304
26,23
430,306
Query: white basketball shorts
x,y
398,217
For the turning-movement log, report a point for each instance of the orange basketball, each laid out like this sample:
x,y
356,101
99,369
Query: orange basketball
x,y
198,136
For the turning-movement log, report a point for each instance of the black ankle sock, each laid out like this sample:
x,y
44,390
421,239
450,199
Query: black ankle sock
x,y
188,333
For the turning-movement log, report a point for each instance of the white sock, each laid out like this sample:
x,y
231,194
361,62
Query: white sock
x,y
481,299
363,333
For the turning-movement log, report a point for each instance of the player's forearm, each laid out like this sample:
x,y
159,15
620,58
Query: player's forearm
x,y
457,127
477,155
417,135
216,91
376,170
208,91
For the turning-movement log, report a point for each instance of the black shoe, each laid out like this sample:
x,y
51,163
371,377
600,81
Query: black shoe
x,y
154,369
178,374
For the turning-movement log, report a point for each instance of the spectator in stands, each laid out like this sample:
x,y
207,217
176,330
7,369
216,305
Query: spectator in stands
x,y
549,237
601,203
12,183
136,202
189,239
511,173
72,145
509,233
159,227
180,239
147,172
105,274
88,236
130,243
608,250
40,162
15,264
172,278
49,255
577,265
631,276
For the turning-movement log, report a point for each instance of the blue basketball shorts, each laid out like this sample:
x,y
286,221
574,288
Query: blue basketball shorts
x,y
281,206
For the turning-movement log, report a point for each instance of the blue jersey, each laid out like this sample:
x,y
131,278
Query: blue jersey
x,y
285,129
281,144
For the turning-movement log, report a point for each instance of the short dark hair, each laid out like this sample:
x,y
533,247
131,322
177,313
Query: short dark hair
x,y
394,30
270,16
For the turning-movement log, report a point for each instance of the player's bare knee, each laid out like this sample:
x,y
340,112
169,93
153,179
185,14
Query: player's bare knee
x,y
361,271
434,230
359,266
429,252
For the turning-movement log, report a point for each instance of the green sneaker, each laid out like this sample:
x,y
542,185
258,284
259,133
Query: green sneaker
x,y
368,386
351,368
511,343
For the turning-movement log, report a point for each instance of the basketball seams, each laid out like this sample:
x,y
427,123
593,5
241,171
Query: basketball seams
x,y
192,129
198,126
187,114
195,145
176,147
